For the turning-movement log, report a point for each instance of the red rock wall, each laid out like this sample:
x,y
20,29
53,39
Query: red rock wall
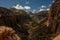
x,y
55,16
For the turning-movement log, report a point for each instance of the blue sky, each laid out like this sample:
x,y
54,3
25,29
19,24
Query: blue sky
x,y
34,4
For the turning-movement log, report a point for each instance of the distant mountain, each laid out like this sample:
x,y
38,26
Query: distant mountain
x,y
17,10
41,14
20,11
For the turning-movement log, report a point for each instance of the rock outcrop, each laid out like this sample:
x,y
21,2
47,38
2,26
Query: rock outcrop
x,y
16,21
54,16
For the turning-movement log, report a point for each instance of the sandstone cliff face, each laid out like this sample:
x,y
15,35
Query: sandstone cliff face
x,y
7,33
55,16
11,19
5,16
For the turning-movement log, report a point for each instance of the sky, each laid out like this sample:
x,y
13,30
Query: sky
x,y
32,5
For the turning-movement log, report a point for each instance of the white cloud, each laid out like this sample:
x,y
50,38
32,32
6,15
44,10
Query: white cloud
x,y
48,9
49,5
27,7
27,2
21,7
18,6
43,6
42,10
33,11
